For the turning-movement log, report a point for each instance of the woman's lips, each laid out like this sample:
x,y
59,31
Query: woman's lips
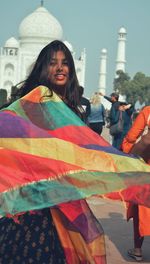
x,y
60,76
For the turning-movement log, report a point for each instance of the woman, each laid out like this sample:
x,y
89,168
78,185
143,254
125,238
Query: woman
x,y
49,235
96,118
141,147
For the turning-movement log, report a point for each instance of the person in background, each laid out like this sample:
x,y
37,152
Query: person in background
x,y
85,103
97,117
131,144
37,238
126,111
113,99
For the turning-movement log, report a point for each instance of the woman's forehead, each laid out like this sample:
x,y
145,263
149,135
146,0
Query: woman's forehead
x,y
58,53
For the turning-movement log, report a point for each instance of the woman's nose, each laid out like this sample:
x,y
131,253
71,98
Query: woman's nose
x,y
60,66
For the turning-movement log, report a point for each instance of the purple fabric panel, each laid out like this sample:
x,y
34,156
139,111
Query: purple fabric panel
x,y
13,126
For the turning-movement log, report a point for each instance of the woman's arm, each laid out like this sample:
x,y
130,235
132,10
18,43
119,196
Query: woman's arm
x,y
135,131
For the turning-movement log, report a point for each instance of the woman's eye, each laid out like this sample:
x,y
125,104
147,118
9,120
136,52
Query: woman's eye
x,y
65,62
52,63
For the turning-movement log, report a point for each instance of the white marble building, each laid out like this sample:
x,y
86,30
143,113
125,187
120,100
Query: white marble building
x,y
18,55
120,65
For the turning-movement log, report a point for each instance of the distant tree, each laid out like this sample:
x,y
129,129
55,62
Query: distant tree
x,y
3,97
137,89
121,81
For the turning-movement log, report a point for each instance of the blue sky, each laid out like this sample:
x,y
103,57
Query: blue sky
x,y
92,25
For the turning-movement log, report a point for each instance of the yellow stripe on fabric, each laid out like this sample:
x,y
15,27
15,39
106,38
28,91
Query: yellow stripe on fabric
x,y
41,94
97,246
90,250
125,163
68,152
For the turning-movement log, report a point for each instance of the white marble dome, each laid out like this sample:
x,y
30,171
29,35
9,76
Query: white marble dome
x,y
104,51
39,26
122,30
11,43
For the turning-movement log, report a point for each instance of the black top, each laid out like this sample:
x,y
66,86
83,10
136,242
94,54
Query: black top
x,y
85,103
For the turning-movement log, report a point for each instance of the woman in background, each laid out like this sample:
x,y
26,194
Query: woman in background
x,y
96,118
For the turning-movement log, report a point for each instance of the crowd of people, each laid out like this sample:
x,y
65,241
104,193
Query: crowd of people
x,y
38,238
97,116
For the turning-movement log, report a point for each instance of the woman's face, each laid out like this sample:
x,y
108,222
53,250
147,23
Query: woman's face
x,y
58,69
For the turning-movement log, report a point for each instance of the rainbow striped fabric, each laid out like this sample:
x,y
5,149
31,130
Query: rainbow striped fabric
x,y
49,156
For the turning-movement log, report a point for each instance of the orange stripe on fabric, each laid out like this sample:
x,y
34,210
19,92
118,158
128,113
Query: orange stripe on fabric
x,y
42,94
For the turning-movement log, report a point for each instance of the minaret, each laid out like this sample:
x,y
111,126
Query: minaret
x,y
102,72
42,2
83,61
120,62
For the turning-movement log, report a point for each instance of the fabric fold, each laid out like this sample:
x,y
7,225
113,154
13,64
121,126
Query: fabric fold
x,y
49,156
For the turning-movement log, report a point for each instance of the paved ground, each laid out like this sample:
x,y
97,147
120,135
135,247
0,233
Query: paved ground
x,y
118,232
105,134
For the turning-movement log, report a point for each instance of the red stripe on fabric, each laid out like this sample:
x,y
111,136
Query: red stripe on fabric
x,y
138,194
73,209
16,167
81,135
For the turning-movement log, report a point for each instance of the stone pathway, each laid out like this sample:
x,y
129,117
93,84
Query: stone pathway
x,y
118,232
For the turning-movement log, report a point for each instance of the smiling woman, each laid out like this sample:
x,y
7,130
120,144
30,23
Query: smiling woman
x,y
59,72
45,234
55,69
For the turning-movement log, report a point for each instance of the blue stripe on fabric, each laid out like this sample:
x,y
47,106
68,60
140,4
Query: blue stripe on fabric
x,y
108,149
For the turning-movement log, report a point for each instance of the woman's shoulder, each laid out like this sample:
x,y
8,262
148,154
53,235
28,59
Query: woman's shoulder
x,y
146,109
145,112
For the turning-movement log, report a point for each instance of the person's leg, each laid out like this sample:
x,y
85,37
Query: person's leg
x,y
116,141
93,127
97,127
138,240
100,128
136,252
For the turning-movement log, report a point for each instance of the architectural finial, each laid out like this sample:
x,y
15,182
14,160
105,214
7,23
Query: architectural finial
x,y
42,2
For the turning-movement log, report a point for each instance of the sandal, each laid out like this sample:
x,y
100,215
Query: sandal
x,y
131,253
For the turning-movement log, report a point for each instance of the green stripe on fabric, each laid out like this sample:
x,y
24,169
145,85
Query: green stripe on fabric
x,y
46,193
17,108
59,109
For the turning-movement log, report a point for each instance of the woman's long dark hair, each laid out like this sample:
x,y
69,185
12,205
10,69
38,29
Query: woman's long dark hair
x,y
39,74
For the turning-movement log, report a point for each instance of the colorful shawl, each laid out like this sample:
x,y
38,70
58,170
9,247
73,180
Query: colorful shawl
x,y
50,157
